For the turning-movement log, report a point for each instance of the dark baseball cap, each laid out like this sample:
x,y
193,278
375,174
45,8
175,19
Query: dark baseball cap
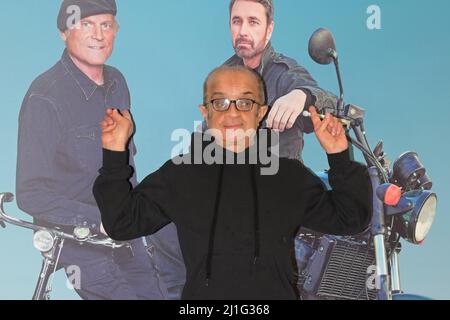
x,y
86,9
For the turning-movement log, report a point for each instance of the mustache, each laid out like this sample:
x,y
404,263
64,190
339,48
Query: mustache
x,y
244,41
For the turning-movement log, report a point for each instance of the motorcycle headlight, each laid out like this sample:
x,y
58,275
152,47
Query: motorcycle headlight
x,y
415,225
82,233
409,173
43,241
425,182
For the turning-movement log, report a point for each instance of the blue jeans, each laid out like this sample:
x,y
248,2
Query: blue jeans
x,y
117,274
165,252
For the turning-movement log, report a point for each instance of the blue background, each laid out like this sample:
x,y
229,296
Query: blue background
x,y
399,74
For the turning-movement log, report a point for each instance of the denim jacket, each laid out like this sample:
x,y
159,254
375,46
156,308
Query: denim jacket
x,y
59,147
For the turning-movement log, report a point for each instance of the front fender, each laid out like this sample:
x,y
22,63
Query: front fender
x,y
408,296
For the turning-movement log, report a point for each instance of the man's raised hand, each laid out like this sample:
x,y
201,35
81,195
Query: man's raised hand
x,y
330,132
117,130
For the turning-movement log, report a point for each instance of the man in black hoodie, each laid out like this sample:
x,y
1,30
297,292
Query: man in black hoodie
x,y
236,226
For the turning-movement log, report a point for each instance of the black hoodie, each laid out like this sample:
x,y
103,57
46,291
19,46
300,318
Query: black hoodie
x,y
236,227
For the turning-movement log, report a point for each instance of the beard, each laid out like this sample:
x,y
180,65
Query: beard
x,y
246,48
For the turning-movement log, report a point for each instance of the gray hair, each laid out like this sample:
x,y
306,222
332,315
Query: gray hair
x,y
267,4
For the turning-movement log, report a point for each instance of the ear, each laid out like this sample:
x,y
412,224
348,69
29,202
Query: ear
x,y
270,31
63,36
204,112
262,113
116,25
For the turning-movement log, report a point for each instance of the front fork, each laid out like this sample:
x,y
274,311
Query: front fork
x,y
49,267
378,231
395,273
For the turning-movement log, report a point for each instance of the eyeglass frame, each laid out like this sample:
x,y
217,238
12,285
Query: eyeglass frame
x,y
231,101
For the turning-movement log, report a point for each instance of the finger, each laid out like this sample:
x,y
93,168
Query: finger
x,y
293,119
272,115
285,120
104,122
340,129
127,114
331,128
107,129
335,126
107,120
315,118
116,116
325,123
278,117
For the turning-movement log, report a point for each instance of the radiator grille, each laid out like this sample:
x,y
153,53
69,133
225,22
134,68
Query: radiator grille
x,y
345,276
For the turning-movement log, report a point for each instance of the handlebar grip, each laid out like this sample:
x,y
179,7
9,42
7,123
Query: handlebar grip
x,y
7,197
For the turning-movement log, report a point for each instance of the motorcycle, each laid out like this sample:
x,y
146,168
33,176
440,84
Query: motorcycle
x,y
366,266
50,243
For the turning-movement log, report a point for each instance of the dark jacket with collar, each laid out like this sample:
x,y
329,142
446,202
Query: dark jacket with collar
x,y
59,147
283,75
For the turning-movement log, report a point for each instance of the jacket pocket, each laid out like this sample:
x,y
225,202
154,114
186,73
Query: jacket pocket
x,y
88,147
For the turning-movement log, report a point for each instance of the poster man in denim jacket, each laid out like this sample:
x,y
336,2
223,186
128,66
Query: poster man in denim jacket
x,y
60,152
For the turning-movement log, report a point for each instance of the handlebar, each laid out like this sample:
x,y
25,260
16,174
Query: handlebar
x,y
92,239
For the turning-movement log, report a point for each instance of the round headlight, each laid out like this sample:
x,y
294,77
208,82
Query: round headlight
x,y
82,233
415,225
425,218
43,241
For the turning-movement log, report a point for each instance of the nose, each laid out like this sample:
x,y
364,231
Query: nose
x,y
243,31
233,111
98,33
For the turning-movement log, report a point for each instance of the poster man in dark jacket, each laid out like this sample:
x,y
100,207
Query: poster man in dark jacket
x,y
290,87
236,226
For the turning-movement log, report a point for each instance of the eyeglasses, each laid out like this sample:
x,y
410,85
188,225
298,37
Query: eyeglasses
x,y
89,27
222,105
